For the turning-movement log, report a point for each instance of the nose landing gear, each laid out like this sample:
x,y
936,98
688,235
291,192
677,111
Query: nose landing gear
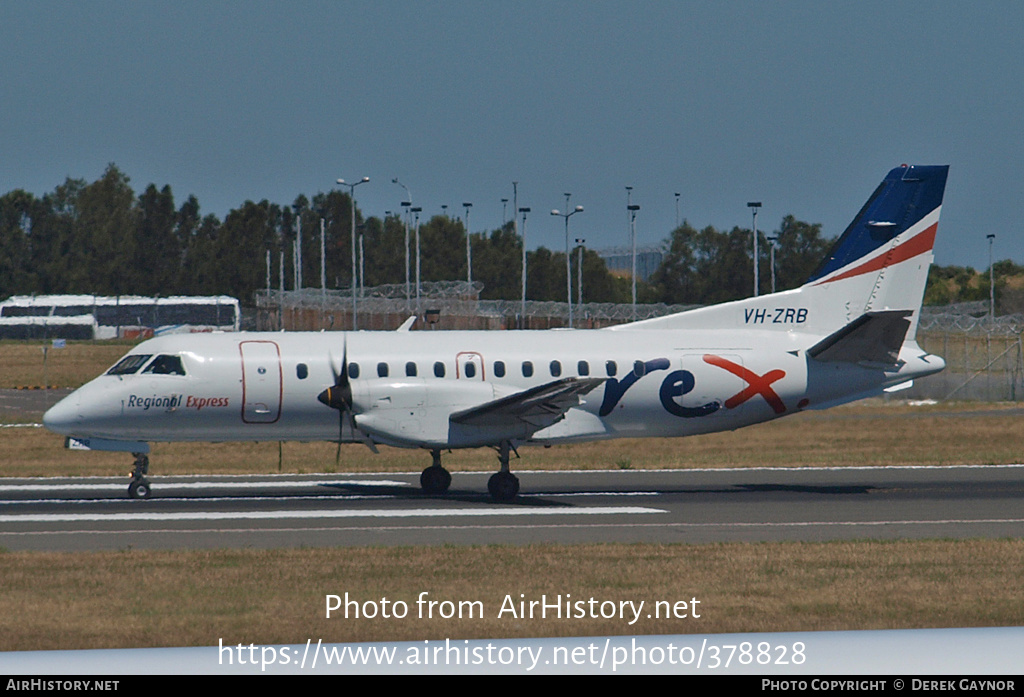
x,y
140,487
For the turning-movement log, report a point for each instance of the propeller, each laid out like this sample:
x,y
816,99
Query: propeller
x,y
339,396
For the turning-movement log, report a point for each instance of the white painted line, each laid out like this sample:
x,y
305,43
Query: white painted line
x,y
369,513
162,485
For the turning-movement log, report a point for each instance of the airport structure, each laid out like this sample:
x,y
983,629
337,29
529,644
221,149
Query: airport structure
x,y
113,317
619,260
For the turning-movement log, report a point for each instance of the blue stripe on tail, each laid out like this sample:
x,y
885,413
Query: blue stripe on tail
x,y
907,194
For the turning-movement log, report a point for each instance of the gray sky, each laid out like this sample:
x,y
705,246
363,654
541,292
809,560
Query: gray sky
x,y
801,105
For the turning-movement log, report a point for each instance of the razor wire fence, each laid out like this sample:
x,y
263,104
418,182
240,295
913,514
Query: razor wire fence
x,y
984,355
441,305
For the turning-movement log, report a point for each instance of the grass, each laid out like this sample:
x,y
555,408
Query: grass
x,y
860,435
135,598
22,365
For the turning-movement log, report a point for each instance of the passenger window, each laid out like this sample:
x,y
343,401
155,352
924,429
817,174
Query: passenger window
x,y
499,369
583,368
556,369
639,368
439,369
470,369
527,369
410,369
611,368
382,369
165,365
353,370
302,371
129,365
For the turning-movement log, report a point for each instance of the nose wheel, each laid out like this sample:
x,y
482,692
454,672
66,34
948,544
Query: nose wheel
x,y
140,487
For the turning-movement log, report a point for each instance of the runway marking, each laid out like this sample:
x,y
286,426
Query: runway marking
x,y
117,486
369,513
435,528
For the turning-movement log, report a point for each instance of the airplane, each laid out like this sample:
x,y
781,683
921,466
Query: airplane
x,y
847,333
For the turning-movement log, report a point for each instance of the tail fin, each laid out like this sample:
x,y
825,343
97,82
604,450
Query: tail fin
x,y
881,261
879,265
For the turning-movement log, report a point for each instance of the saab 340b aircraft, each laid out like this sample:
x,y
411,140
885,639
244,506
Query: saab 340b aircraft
x,y
847,333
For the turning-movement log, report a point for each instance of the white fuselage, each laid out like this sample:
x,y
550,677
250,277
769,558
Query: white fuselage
x,y
405,385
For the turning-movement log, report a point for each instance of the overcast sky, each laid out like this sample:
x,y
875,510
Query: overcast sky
x,y
801,105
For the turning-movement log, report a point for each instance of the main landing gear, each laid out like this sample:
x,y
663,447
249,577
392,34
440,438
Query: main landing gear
x,y
435,479
503,486
140,487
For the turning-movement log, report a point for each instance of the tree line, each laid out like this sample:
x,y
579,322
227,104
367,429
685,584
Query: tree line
x,y
100,237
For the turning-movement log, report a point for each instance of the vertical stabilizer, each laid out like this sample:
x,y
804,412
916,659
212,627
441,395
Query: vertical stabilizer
x,y
881,261
878,265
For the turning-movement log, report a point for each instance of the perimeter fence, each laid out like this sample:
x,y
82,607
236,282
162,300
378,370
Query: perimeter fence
x,y
984,355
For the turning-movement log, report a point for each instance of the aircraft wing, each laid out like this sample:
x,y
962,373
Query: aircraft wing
x,y
874,337
536,408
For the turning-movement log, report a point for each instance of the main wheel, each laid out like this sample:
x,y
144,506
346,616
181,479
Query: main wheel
x,y
503,486
139,489
435,480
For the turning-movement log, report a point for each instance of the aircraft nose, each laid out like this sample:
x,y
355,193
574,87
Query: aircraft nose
x,y
63,416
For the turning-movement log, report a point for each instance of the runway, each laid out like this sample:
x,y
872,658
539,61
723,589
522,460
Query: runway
x,y
677,506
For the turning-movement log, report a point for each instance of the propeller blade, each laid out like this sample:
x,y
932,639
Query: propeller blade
x,y
339,395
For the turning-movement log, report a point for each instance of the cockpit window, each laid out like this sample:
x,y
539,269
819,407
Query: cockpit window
x,y
130,364
165,365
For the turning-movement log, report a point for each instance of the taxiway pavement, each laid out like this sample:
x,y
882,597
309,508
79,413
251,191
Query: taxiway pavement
x,y
677,506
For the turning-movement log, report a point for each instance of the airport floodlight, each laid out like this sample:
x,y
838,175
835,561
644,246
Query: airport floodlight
x,y
991,280
522,311
352,235
568,263
406,204
416,210
469,248
632,208
754,205
579,272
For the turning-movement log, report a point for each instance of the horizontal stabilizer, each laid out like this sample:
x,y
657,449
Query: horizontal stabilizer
x,y
874,337
537,407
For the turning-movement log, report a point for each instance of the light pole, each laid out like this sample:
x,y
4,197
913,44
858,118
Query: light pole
x,y
991,281
633,208
771,257
406,204
504,212
352,204
298,245
469,249
416,211
579,273
522,312
754,205
677,210
568,271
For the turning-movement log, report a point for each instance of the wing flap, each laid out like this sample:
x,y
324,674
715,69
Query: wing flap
x,y
537,407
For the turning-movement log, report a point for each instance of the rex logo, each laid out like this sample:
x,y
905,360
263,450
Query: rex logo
x,y
682,382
